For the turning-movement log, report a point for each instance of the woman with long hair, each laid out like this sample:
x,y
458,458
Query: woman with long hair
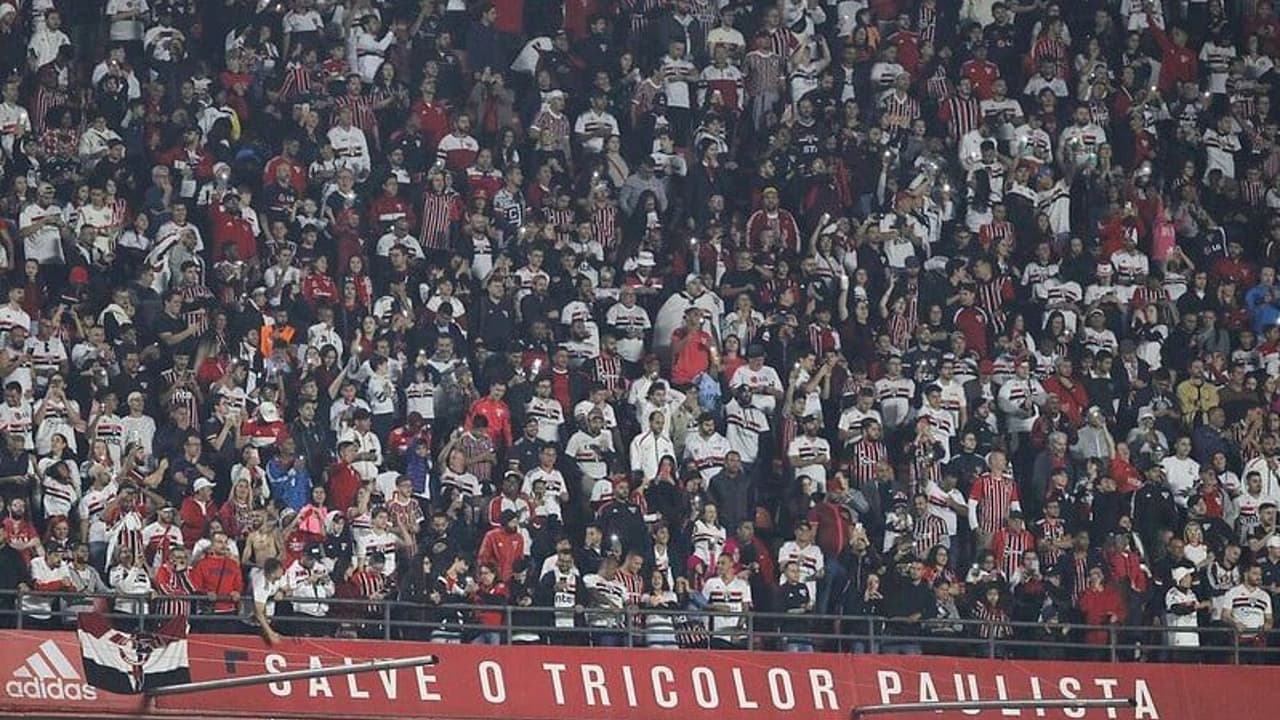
x,y
661,602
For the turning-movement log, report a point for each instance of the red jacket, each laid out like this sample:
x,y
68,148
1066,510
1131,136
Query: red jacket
x,y
344,483
433,119
501,549
297,174
385,210
834,523
1074,399
195,519
232,230
1127,566
764,559
319,289
495,596
220,575
499,417
1177,64
1098,608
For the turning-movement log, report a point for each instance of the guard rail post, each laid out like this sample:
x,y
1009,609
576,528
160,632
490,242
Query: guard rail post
x,y
386,620
991,644
17,606
1111,641
1235,647
506,612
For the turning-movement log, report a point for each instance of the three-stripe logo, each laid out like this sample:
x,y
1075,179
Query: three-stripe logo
x,y
47,674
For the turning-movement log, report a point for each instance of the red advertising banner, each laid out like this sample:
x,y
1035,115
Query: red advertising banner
x,y
42,671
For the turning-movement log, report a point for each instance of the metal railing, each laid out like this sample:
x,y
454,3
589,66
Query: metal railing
x,y
640,627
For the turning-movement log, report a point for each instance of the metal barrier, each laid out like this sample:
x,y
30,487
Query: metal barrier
x,y
633,627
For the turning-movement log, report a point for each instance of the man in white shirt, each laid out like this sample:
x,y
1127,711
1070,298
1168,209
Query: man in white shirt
x,y
47,40
730,594
648,448
595,125
399,237
1247,607
15,121
178,225
308,577
47,571
946,501
591,448
766,386
677,72
810,454
805,553
942,422
744,424
365,50
851,421
1181,471
269,585
547,410
127,19
41,225
895,392
350,145
630,321
12,314
368,458
706,448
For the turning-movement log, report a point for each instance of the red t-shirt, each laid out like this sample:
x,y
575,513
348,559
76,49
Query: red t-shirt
x,y
693,358
344,482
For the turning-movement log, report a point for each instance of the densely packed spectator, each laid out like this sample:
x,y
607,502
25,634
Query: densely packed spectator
x,y
920,310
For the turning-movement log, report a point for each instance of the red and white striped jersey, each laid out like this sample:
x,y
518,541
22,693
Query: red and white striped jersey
x,y
439,212
994,497
927,531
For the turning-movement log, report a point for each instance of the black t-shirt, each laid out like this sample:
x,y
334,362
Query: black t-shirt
x,y
166,323
741,278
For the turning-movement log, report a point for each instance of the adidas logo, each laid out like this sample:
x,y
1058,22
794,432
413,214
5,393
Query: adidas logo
x,y
47,674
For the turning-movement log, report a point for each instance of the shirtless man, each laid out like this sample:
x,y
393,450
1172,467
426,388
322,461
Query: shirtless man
x,y
262,542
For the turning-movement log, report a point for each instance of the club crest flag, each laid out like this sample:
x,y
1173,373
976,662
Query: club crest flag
x,y
133,663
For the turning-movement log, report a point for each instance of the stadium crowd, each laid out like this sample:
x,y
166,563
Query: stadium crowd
x,y
924,310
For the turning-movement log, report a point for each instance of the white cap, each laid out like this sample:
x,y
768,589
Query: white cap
x,y
1181,572
268,412
645,259
201,484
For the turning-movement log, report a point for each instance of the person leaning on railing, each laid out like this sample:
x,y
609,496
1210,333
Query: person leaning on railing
x,y
908,602
1248,609
796,600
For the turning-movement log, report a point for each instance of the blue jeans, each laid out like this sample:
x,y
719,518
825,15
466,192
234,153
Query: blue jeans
x,y
609,639
488,637
891,647
830,587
